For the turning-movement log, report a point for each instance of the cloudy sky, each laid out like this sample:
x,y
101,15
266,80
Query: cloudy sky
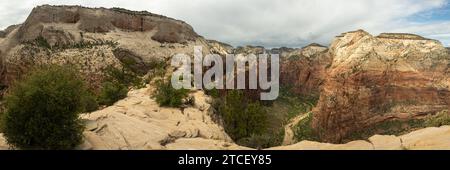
x,y
274,23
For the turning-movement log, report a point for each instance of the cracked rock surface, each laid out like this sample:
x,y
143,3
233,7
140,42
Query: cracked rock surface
x,y
137,123
434,138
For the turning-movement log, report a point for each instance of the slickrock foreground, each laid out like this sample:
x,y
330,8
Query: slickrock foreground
x,y
432,138
137,122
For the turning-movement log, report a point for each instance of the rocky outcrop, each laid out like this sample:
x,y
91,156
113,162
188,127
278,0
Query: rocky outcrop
x,y
245,50
401,36
374,79
132,61
79,35
220,48
424,139
303,70
3,143
8,30
284,52
137,122
427,139
103,20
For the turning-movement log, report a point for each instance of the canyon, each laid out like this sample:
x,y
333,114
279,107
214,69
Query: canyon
x,y
361,81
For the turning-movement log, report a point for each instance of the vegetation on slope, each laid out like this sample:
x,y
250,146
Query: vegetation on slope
x,y
42,109
40,41
244,120
258,124
166,95
400,127
304,131
116,84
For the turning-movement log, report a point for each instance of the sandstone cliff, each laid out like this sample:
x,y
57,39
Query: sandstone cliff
x,y
375,79
92,39
303,70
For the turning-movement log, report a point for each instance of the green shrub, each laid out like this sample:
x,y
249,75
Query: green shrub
x,y
115,86
157,69
214,93
123,76
112,92
42,42
166,95
440,119
1,122
242,118
42,110
262,141
90,103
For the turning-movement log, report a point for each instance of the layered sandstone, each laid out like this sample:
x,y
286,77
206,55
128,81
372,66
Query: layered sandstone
x,y
93,39
101,20
303,70
375,79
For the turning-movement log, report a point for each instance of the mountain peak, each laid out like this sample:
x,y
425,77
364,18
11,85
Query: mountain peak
x,y
102,20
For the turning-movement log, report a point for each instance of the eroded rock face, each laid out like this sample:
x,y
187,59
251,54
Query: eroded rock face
x,y
374,79
8,30
304,70
103,20
93,39
220,48
133,61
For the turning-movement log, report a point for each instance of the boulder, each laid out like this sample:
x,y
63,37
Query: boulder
x,y
428,139
3,143
382,142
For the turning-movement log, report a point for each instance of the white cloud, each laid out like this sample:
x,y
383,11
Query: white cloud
x,y
266,22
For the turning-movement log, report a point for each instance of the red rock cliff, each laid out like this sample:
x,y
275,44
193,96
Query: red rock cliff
x,y
373,79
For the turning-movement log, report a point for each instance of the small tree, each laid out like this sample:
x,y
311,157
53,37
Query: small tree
x,y
112,92
42,110
166,95
116,84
